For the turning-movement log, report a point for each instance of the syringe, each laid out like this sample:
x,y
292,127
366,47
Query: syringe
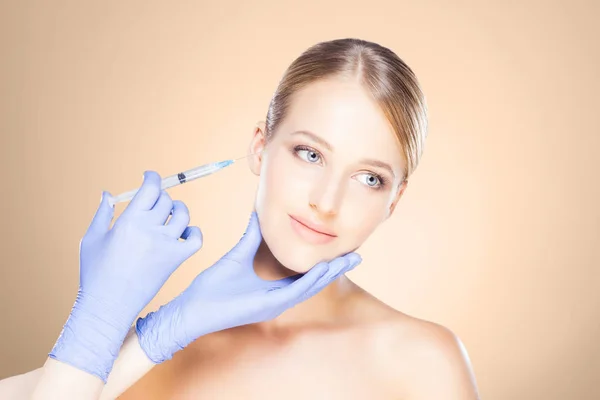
x,y
178,179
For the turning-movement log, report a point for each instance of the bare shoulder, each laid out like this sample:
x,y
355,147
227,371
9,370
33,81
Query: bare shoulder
x,y
417,358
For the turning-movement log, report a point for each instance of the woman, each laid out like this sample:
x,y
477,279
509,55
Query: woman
x,y
344,131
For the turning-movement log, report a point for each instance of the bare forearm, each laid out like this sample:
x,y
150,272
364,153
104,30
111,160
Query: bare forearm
x,y
62,381
131,365
57,380
20,386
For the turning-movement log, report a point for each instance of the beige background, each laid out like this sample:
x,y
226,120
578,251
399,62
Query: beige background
x,y
497,236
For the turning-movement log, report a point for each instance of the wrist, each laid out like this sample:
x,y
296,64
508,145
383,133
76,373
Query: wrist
x,y
91,338
161,333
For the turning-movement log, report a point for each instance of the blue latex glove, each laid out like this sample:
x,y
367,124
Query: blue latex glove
x,y
121,270
230,294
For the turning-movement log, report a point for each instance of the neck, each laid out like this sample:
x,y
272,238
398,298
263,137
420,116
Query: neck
x,y
322,309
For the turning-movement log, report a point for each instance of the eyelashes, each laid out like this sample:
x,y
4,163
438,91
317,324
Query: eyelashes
x,y
382,180
304,148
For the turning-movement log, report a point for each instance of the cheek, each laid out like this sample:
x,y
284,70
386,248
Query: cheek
x,y
274,182
285,182
283,189
358,221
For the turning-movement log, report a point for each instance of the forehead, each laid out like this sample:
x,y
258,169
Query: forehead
x,y
343,113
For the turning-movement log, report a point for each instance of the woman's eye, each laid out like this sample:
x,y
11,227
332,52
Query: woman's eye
x,y
372,180
309,155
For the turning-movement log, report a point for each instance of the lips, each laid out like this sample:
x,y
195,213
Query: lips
x,y
318,228
310,232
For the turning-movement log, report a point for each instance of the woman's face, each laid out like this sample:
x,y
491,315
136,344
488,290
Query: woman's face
x,y
333,165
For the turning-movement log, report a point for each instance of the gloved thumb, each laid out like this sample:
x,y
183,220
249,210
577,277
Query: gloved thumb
x,y
103,216
193,238
248,244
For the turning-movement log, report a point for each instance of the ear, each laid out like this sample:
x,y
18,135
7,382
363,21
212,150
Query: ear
x,y
397,198
257,145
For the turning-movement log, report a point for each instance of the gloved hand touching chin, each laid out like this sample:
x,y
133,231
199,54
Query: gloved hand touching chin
x,y
230,294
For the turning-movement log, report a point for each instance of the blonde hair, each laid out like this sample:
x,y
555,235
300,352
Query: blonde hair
x,y
390,81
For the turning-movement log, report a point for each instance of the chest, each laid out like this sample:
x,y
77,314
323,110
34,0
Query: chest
x,y
310,371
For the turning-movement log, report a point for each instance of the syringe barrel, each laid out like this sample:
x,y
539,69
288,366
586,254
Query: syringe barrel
x,y
170,181
178,179
200,171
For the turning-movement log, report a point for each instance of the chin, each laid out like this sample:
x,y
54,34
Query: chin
x,y
294,253
295,259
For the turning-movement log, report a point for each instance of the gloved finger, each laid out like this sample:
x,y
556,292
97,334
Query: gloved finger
x,y
148,193
179,221
283,282
103,217
162,209
337,268
290,293
193,239
248,244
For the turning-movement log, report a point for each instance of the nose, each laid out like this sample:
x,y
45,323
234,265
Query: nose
x,y
326,195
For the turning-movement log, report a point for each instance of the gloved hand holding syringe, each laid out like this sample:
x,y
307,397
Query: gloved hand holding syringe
x,y
178,179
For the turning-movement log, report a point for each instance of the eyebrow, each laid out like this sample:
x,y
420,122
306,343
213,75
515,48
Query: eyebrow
x,y
324,143
315,138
